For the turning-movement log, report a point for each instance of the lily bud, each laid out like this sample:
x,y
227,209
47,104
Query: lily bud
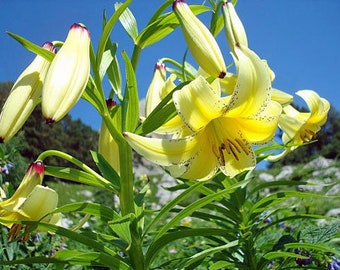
x,y
107,146
158,81
24,96
68,74
200,41
233,27
31,201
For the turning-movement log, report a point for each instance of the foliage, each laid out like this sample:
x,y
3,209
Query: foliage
x,y
224,223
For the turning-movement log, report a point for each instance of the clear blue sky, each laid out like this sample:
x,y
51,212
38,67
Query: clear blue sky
x,y
300,39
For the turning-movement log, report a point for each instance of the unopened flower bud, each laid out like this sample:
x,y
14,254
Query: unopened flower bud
x,y
68,74
233,26
24,96
200,41
158,81
107,146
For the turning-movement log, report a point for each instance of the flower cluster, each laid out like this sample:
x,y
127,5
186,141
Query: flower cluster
x,y
59,83
221,116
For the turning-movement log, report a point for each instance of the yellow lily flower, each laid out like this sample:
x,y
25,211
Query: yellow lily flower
x,y
301,127
30,202
24,96
223,129
68,74
201,43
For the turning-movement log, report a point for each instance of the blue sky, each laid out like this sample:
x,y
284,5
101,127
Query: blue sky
x,y
300,40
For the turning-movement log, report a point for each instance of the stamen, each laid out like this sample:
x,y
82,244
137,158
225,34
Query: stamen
x,y
15,230
307,135
221,159
234,145
231,148
241,144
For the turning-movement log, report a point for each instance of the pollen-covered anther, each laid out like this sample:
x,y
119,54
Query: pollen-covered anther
x,y
242,145
15,230
218,152
308,135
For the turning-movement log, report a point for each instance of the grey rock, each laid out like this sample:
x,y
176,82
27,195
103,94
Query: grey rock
x,y
319,163
335,190
285,173
266,177
335,212
316,186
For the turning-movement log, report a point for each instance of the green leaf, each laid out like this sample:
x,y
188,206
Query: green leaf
x,y
162,26
198,204
156,246
78,176
129,22
217,21
170,205
107,171
80,238
107,59
316,234
107,30
130,104
75,257
121,227
221,265
115,78
282,254
33,47
159,118
318,246
103,212
91,95
203,254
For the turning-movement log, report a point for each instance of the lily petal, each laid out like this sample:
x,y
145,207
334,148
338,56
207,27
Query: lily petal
x,y
164,152
318,106
252,90
282,97
200,167
198,103
261,128
41,201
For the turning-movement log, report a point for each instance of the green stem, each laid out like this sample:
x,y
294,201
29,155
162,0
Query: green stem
x,y
127,204
135,56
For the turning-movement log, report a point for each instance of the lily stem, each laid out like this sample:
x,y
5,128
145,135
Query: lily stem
x,y
127,204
